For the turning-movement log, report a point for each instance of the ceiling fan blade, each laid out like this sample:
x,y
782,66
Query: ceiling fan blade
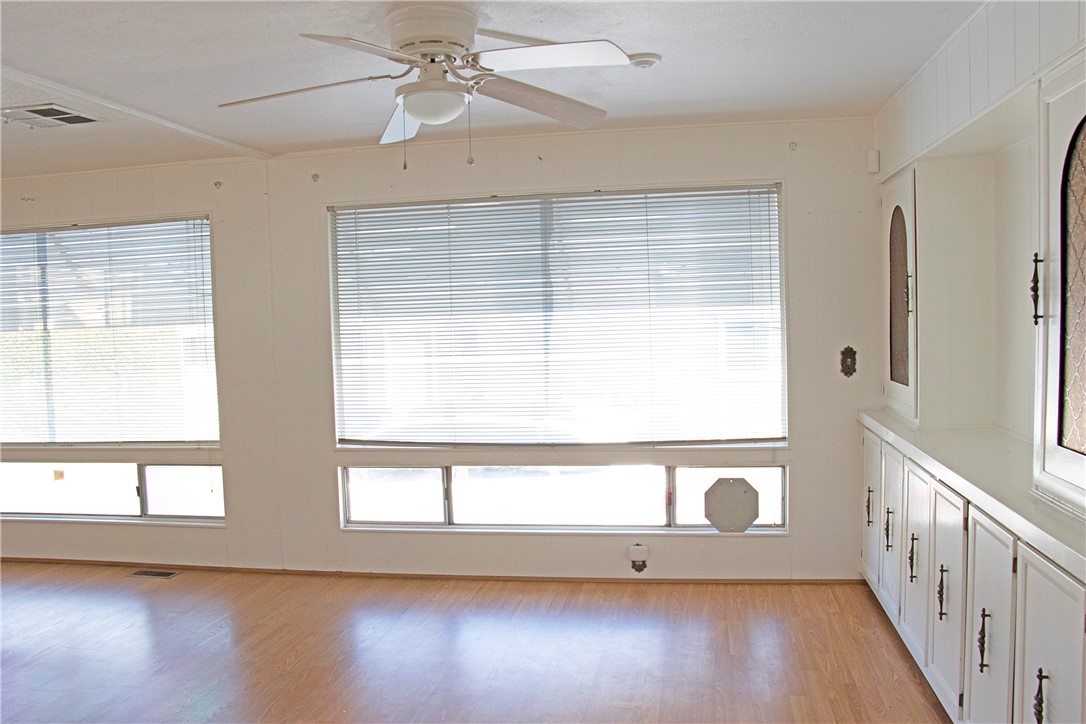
x,y
544,102
512,37
365,47
304,90
400,127
553,55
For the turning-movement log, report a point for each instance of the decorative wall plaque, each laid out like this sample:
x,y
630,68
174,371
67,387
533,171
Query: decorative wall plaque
x,y
848,361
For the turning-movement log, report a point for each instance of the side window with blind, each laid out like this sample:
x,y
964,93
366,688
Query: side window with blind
x,y
621,319
628,321
107,337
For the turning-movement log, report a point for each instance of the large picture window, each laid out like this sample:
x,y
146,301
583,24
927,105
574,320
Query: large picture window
x,y
107,334
607,318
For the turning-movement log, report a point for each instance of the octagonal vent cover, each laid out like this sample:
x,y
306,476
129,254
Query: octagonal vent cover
x,y
731,505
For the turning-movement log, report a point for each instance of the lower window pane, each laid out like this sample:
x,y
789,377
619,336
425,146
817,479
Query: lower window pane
x,y
184,490
395,495
691,484
515,495
69,488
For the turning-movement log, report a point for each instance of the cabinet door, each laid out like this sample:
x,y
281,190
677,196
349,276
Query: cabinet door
x,y
872,497
989,630
917,551
1049,642
947,591
1060,455
893,470
899,225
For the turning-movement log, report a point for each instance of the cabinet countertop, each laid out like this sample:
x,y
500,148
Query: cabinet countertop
x,y
994,472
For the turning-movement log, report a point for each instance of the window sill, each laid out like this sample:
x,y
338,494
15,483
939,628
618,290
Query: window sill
x,y
491,447
697,532
114,519
158,453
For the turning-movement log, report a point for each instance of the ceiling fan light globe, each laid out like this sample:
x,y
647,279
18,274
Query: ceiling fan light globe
x,y
433,105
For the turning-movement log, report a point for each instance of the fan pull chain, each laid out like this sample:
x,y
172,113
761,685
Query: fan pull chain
x,y
403,125
471,159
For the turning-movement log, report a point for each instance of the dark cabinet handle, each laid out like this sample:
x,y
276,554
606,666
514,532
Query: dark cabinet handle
x,y
1035,290
982,639
912,557
886,528
868,507
908,296
940,591
1039,697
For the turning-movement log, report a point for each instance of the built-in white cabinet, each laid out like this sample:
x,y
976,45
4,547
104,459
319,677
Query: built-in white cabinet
x,y
1026,632
916,591
1060,450
981,153
997,628
899,235
872,497
989,637
947,588
893,471
1050,642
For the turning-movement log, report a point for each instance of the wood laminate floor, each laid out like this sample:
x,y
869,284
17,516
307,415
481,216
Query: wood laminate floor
x,y
90,643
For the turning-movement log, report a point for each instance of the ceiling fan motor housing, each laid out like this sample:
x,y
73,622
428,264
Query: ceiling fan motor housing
x,y
422,30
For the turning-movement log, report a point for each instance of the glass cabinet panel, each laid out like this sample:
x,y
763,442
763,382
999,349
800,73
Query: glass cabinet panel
x,y
899,298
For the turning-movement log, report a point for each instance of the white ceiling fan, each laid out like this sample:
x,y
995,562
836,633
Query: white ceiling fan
x,y
438,42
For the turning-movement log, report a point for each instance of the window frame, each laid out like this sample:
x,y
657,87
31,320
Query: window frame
x,y
140,485
669,525
347,444
139,453
1059,473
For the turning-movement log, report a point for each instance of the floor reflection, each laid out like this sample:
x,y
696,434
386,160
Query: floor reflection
x,y
90,643
111,644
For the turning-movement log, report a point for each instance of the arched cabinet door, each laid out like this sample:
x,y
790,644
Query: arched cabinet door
x,y
1059,295
899,235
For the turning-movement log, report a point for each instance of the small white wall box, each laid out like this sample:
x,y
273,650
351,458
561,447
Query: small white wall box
x,y
731,505
639,556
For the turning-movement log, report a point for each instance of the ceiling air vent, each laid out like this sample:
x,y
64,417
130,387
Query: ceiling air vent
x,y
45,116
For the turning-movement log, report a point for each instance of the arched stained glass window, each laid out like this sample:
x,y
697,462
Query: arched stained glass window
x,y
899,298
1072,403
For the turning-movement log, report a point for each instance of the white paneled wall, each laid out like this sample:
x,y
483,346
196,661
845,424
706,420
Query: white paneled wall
x,y
978,62
1005,45
959,95
1015,238
271,275
1001,47
955,269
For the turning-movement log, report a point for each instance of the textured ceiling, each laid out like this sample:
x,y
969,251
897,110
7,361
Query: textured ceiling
x,y
156,71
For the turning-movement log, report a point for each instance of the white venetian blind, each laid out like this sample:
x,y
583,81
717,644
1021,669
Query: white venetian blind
x,y
634,318
106,334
